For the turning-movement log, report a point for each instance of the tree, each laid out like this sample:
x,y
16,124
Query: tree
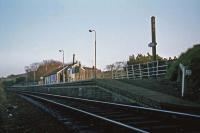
x,y
119,64
46,67
116,66
140,58
20,80
7,83
41,69
110,67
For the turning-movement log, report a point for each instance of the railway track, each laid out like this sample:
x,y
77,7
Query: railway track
x,y
83,115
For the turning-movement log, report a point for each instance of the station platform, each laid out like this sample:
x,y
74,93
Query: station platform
x,y
148,97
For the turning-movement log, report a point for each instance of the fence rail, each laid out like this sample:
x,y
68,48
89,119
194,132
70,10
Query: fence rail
x,y
140,71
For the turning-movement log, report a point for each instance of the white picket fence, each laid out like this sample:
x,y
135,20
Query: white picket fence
x,y
140,71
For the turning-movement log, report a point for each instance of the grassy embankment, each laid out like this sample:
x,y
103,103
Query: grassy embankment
x,y
190,58
2,94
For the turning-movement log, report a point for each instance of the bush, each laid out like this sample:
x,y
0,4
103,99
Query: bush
x,y
190,58
194,79
185,59
20,80
8,83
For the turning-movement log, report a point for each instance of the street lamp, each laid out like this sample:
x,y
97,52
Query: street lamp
x,y
63,65
94,53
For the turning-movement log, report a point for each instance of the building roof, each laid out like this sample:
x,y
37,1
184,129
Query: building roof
x,y
58,69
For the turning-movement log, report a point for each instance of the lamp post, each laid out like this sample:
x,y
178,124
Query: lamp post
x,y
63,64
95,73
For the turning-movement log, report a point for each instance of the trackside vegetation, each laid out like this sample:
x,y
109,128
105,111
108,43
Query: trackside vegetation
x,y
190,58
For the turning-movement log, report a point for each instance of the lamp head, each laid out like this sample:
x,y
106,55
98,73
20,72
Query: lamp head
x,y
90,30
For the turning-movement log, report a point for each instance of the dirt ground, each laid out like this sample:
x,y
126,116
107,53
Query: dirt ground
x,y
18,116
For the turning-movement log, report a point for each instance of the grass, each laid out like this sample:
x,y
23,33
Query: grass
x,y
186,59
2,94
190,58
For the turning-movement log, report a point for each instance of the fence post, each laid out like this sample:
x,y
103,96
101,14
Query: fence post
x,y
157,70
148,68
127,72
112,73
133,72
140,72
121,75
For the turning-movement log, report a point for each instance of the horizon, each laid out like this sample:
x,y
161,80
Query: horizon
x,y
32,30
90,66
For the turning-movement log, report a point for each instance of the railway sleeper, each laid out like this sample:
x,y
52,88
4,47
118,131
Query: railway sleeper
x,y
164,128
120,116
125,119
143,123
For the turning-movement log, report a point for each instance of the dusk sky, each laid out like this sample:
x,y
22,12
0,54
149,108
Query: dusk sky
x,y
34,30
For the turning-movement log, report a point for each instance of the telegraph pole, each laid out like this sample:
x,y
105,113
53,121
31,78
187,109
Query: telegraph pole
x,y
153,34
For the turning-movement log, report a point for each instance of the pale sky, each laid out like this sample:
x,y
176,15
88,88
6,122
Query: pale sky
x,y
34,30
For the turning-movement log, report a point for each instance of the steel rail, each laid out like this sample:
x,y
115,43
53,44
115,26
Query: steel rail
x,y
153,120
120,105
119,124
